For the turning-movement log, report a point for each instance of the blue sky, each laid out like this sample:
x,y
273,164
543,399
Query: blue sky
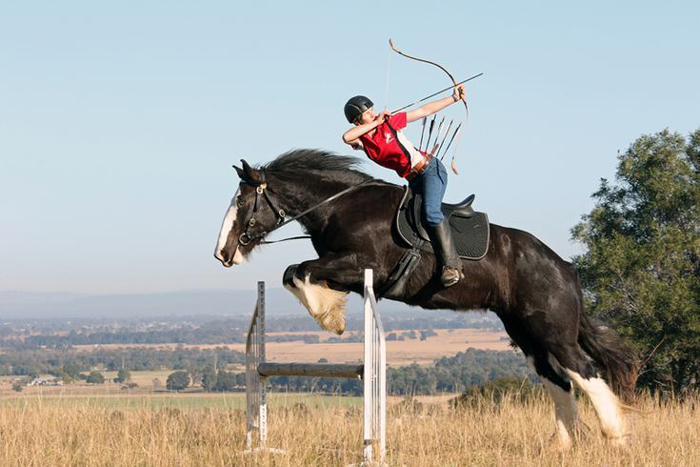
x,y
119,121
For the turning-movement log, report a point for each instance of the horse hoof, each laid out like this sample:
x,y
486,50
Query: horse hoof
x,y
334,322
559,443
619,442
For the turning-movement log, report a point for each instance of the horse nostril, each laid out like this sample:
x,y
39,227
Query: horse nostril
x,y
220,256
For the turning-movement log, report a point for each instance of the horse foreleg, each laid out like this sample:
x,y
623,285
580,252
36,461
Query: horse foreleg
x,y
555,380
309,282
559,387
565,413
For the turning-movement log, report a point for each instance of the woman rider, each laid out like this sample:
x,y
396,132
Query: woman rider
x,y
380,136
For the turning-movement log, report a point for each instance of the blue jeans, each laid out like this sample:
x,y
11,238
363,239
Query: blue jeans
x,y
431,183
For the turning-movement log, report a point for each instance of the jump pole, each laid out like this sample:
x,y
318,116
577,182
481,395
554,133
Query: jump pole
x,y
373,373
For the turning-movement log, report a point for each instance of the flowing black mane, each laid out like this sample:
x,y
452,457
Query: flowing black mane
x,y
299,163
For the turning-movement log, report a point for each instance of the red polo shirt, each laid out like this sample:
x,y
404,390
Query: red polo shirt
x,y
390,148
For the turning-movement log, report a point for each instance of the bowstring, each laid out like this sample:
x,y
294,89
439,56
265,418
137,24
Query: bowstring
x,y
388,73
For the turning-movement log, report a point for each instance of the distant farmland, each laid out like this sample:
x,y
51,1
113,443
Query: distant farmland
x,y
446,343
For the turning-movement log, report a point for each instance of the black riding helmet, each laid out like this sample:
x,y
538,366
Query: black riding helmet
x,y
356,107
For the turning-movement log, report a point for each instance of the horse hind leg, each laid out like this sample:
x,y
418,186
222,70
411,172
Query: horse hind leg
x,y
556,330
325,305
605,403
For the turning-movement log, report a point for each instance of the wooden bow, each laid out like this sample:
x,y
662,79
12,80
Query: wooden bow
x,y
454,81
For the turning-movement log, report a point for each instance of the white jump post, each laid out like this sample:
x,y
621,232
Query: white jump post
x,y
373,372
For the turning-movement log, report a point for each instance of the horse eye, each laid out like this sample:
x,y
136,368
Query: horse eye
x,y
240,202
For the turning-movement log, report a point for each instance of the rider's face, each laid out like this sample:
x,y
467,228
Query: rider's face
x,y
368,116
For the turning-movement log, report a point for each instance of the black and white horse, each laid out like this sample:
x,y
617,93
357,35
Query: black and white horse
x,y
532,290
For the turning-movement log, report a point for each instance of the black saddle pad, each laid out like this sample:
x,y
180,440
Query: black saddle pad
x,y
470,232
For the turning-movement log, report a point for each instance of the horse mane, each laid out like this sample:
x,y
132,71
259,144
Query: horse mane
x,y
300,163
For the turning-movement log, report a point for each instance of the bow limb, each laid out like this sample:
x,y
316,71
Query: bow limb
x,y
454,81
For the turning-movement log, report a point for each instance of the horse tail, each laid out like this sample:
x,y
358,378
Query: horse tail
x,y
607,350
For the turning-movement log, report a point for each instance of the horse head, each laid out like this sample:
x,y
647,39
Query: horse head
x,y
247,220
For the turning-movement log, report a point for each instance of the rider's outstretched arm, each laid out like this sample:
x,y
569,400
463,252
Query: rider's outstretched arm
x,y
435,106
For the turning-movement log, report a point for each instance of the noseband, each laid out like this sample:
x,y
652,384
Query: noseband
x,y
280,216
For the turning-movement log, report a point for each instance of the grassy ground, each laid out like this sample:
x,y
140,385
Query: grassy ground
x,y
182,402
82,432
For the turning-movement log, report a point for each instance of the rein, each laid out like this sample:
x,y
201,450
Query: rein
x,y
261,189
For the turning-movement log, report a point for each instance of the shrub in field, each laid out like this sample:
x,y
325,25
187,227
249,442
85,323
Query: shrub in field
x,y
178,381
225,381
123,376
95,377
492,393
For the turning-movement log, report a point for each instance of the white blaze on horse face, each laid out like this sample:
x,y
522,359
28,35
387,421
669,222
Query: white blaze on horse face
x,y
226,227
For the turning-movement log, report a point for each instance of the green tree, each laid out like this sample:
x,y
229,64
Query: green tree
x,y
123,376
65,377
71,369
95,377
178,380
208,378
225,381
641,270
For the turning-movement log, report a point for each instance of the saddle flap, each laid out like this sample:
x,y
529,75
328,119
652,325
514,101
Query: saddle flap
x,y
470,229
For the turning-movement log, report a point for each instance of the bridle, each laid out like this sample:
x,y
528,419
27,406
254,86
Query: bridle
x,y
261,190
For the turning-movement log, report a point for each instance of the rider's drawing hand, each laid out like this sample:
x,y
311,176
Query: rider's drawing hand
x,y
382,117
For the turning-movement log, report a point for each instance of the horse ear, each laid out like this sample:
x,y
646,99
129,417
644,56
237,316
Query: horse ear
x,y
240,172
250,172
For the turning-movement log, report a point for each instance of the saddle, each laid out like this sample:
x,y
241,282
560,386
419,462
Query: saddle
x,y
470,229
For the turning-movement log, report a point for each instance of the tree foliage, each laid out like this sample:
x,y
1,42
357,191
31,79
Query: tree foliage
x,y
123,376
95,377
208,377
641,270
178,381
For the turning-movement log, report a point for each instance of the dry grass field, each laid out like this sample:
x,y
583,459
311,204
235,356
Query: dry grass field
x,y
77,433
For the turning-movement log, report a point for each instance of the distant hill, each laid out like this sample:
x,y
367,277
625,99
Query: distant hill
x,y
34,305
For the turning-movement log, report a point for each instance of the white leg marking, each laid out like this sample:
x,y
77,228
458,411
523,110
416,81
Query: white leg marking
x,y
327,306
565,407
606,405
226,226
565,413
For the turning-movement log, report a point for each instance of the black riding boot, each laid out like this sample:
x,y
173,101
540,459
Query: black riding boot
x,y
446,252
